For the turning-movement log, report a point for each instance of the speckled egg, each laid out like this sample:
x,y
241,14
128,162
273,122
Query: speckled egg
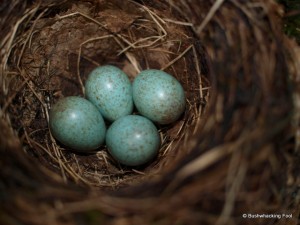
x,y
133,140
109,88
158,96
77,123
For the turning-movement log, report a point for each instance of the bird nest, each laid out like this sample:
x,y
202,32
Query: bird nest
x,y
58,50
232,152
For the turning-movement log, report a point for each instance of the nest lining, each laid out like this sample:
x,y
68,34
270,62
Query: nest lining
x,y
53,56
242,158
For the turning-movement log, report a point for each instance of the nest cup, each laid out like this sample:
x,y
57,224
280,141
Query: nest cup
x,y
58,49
232,154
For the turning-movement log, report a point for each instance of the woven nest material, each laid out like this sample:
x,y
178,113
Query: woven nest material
x,y
55,55
234,151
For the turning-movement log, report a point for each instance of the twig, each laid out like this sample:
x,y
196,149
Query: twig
x,y
79,56
177,58
179,22
209,16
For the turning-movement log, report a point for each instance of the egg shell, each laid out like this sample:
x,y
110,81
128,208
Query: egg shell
x,y
77,123
133,140
110,90
158,96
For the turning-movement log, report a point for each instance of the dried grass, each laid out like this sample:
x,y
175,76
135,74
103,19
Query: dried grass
x,y
234,151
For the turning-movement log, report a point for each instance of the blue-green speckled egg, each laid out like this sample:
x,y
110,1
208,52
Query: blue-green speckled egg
x,y
158,96
110,90
77,123
133,140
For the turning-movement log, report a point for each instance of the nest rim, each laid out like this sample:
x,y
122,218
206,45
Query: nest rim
x,y
237,163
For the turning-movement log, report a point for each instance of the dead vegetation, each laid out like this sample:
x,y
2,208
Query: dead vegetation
x,y
234,150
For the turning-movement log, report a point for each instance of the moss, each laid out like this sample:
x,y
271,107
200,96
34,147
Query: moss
x,y
92,217
292,18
